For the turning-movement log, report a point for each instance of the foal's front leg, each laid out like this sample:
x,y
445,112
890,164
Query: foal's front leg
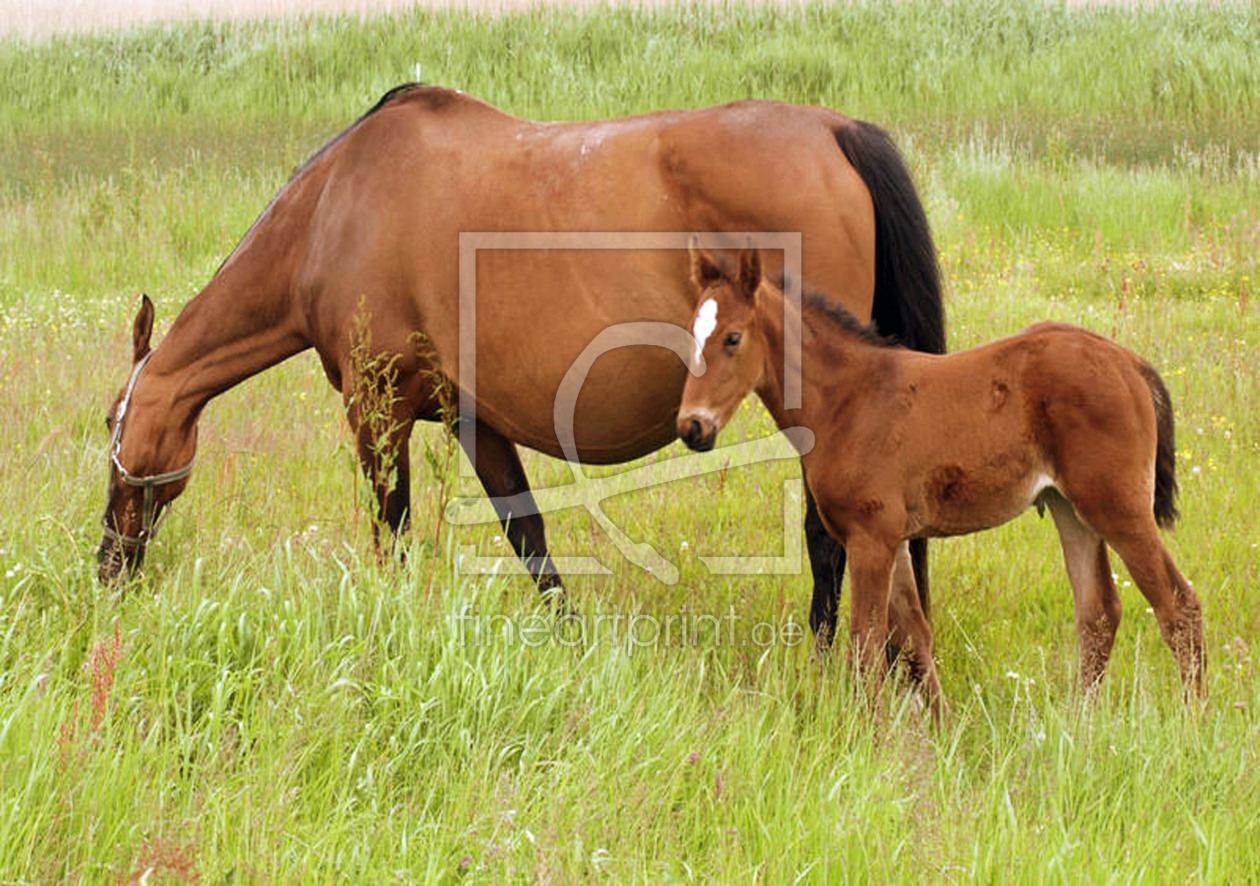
x,y
871,558
912,633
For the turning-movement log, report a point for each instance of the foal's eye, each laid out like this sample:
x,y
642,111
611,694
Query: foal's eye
x,y
732,340
109,422
710,273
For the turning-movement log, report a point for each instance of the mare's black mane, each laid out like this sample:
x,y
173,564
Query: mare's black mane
x,y
389,96
384,100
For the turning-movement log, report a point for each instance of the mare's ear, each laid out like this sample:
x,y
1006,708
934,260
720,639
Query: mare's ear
x,y
749,272
705,270
142,330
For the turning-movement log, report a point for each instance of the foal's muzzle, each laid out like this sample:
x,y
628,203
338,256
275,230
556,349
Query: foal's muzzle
x,y
699,432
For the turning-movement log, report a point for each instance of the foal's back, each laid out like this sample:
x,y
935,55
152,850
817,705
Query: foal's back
x,y
992,427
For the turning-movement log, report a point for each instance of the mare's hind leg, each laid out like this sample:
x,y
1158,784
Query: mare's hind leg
x,y
499,470
1096,602
911,633
1172,598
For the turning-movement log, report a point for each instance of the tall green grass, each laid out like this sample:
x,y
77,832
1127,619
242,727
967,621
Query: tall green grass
x,y
1055,63
1091,107
270,701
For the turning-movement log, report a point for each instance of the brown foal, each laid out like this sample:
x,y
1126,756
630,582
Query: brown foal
x,y
912,445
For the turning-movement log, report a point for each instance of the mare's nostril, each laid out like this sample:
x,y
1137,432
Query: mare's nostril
x,y
696,431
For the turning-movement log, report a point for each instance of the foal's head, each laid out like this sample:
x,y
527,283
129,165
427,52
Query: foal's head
x,y
149,464
729,354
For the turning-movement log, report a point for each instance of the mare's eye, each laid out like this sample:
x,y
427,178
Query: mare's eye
x,y
710,273
109,421
732,340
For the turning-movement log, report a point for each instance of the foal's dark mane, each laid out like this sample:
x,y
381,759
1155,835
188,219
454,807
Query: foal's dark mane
x,y
816,305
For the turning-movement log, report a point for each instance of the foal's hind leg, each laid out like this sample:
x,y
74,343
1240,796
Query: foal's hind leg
x,y
1172,598
1097,604
499,470
910,631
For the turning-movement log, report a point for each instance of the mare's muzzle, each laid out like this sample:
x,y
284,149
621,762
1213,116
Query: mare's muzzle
x,y
116,557
117,548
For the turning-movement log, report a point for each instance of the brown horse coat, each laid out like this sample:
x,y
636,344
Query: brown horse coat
x,y
373,222
913,445
387,202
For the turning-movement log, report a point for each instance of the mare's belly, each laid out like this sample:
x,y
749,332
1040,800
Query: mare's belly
x,y
625,407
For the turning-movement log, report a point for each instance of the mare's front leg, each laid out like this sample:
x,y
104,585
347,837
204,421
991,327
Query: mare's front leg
x,y
826,562
499,470
384,455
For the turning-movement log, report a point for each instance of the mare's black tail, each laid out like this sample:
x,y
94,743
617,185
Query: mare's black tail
x,y
908,304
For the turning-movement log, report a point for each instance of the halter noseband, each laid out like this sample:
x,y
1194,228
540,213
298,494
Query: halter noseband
x,y
149,519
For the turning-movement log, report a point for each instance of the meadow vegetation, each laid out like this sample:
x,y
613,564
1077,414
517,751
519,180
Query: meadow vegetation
x,y
270,701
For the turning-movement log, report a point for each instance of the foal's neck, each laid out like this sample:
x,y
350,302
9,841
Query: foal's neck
x,y
837,367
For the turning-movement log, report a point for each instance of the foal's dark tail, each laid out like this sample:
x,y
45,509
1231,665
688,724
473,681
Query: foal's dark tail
x,y
907,305
1165,449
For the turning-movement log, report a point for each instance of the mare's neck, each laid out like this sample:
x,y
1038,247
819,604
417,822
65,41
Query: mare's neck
x,y
835,366
245,320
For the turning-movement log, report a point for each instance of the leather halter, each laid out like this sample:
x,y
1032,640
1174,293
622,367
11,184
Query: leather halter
x,y
149,519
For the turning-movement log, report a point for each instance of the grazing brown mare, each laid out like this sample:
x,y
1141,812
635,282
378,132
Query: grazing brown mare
x,y
374,219
914,445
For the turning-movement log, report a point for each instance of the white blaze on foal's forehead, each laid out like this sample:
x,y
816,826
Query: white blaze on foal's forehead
x,y
706,322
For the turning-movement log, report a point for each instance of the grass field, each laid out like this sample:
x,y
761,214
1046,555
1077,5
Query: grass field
x,y
272,702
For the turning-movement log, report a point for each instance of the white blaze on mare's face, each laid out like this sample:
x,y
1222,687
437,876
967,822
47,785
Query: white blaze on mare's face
x,y
706,322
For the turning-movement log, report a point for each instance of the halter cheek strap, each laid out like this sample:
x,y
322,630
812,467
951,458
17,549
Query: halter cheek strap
x,y
149,518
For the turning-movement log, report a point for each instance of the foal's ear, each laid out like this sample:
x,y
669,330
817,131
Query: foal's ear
x,y
749,272
142,330
705,270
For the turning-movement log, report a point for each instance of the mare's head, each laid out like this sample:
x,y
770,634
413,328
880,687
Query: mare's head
x,y
729,353
149,461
